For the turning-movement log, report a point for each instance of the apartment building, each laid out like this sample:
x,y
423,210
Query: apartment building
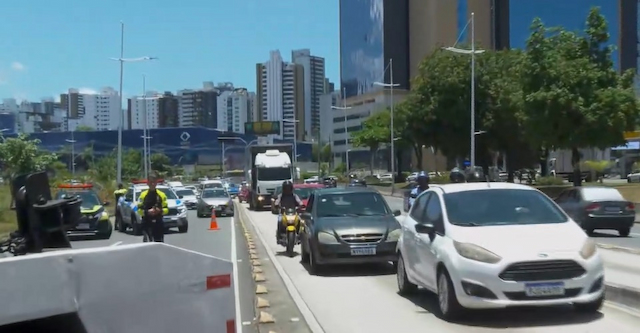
x,y
168,110
99,111
198,107
280,95
139,105
235,108
314,87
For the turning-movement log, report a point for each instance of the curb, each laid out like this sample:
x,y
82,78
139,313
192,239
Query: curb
x,y
619,248
622,295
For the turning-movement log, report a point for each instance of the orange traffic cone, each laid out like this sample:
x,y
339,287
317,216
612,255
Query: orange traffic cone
x,y
213,225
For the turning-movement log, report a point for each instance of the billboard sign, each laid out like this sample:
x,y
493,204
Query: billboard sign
x,y
262,128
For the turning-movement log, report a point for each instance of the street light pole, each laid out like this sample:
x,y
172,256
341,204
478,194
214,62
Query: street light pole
x,y
391,85
144,124
344,108
472,52
122,60
72,141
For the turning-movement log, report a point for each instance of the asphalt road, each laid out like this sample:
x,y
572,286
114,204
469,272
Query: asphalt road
x,y
608,237
353,299
215,243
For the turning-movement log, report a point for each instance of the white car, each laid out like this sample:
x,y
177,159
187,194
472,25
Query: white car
x,y
497,245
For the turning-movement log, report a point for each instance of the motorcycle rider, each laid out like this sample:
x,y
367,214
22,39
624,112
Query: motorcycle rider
x,y
457,176
423,185
286,199
152,204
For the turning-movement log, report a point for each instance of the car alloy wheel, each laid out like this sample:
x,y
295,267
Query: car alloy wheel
x,y
443,294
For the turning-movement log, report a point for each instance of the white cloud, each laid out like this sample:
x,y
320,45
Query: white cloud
x,y
17,66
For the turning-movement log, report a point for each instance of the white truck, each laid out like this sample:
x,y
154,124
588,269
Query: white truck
x,y
270,166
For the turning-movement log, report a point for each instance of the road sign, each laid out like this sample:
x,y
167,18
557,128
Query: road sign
x,y
262,128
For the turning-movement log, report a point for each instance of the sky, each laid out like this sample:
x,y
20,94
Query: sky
x,y
49,46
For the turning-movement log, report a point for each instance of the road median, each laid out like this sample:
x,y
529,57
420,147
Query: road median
x,y
277,312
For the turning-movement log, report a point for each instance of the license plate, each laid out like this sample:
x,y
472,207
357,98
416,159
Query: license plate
x,y
363,251
544,289
612,209
83,227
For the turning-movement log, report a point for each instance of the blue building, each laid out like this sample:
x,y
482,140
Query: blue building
x,y
187,145
8,123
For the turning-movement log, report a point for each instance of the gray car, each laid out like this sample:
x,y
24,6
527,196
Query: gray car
x,y
346,226
188,196
214,199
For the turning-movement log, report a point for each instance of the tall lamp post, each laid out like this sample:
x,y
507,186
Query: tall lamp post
x,y
344,108
472,52
72,141
122,60
295,138
391,85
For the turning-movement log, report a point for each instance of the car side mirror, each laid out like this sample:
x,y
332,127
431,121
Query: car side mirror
x,y
106,203
397,212
180,196
413,195
425,228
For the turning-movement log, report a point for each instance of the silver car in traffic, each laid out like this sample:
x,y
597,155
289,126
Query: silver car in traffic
x,y
214,199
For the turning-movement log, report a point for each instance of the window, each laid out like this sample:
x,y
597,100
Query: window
x,y
270,174
304,192
419,205
352,204
185,193
433,213
501,207
89,199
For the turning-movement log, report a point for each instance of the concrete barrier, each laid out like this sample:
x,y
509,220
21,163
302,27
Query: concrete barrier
x,y
149,287
622,295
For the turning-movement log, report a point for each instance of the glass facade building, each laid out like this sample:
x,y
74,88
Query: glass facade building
x,y
569,14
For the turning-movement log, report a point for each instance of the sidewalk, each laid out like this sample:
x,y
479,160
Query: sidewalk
x,y
622,277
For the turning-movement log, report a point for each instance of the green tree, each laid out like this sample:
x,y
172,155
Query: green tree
x,y
84,128
325,152
21,155
375,130
160,163
574,98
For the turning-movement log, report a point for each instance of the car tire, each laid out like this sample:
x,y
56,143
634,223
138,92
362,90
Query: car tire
x,y
590,307
314,267
137,228
119,223
624,232
450,308
405,287
183,229
304,254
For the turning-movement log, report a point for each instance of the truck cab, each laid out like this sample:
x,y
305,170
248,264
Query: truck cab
x,y
270,169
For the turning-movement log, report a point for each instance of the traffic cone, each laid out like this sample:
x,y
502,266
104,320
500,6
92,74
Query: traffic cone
x,y
213,225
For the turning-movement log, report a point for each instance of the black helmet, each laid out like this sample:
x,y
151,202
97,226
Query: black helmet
x,y
457,176
287,187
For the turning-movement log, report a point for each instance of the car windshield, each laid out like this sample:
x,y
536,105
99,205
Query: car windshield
x,y
212,185
185,193
304,192
89,199
352,204
214,194
270,174
501,207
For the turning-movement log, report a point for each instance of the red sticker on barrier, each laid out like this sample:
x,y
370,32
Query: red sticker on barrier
x,y
218,281
231,326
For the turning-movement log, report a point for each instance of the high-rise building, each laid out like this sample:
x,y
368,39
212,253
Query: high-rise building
x,y
168,109
234,110
198,107
138,105
314,87
280,95
326,115
99,111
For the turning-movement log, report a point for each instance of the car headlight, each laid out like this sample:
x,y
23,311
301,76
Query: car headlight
x,y
476,253
102,216
394,235
260,198
327,238
589,249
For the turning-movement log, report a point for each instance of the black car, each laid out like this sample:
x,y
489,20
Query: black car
x,y
598,207
329,182
348,225
358,183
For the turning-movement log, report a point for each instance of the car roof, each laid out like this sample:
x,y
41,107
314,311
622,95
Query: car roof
x,y
464,187
345,190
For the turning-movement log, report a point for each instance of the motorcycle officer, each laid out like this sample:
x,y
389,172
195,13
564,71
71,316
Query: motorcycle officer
x,y
286,199
423,185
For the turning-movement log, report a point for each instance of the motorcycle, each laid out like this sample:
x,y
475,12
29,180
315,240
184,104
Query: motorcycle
x,y
291,221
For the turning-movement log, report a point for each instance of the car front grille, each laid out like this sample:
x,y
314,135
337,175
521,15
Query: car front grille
x,y
542,271
361,238
173,211
271,190
522,296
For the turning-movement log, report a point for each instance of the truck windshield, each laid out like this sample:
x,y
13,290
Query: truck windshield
x,y
274,173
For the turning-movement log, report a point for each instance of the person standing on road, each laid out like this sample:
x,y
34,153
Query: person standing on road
x,y
119,193
153,206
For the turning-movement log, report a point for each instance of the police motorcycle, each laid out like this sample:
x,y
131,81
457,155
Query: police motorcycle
x,y
291,222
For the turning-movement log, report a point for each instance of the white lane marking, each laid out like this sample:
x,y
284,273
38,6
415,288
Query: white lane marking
x,y
307,314
234,261
116,243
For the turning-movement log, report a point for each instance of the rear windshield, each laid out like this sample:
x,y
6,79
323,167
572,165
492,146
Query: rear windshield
x,y
601,194
356,204
501,207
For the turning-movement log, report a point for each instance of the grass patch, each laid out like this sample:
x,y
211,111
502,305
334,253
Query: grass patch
x,y
8,222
